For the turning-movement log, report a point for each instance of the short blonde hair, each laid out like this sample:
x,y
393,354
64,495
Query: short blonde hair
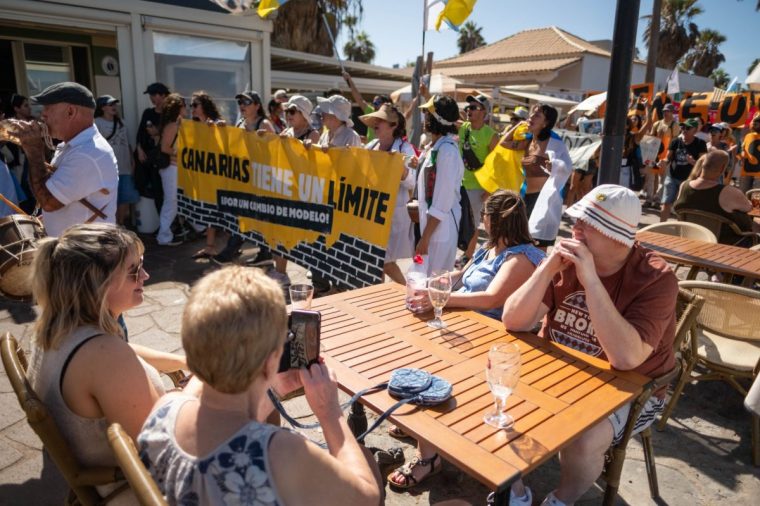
x,y
235,318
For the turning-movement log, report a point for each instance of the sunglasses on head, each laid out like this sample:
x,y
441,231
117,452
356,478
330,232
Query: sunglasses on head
x,y
244,101
135,273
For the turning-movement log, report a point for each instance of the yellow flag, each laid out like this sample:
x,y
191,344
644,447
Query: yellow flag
x,y
266,7
502,167
455,13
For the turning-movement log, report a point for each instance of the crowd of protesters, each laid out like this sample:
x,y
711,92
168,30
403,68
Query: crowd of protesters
x,y
97,176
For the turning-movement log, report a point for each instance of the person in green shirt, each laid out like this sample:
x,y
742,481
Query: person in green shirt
x,y
378,101
478,139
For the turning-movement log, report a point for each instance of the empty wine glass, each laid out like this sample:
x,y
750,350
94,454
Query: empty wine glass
x,y
439,289
502,374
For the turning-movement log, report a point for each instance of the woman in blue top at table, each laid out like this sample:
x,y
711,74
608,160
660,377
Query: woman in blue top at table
x,y
502,265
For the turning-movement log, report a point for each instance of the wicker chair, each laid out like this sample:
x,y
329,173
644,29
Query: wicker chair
x,y
686,230
688,308
139,479
82,480
715,223
725,341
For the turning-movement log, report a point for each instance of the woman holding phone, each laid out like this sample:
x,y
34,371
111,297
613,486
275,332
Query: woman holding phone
x,y
216,447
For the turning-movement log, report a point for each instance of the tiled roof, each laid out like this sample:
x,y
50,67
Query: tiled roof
x,y
550,42
519,67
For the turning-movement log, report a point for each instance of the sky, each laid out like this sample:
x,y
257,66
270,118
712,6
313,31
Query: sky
x,y
395,26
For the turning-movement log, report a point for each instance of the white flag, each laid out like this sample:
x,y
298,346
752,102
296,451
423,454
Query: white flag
x,y
672,82
432,9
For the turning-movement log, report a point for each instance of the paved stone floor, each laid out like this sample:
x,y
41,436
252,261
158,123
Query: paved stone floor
x,y
702,457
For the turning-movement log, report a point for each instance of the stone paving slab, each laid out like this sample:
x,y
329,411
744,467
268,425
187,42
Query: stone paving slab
x,y
703,456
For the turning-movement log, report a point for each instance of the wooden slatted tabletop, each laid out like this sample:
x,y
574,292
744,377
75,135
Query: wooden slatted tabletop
x,y
367,333
717,257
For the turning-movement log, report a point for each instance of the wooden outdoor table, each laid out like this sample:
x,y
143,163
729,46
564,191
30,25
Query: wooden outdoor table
x,y
732,260
367,333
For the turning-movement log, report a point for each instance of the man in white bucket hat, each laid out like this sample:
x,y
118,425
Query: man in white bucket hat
x,y
604,294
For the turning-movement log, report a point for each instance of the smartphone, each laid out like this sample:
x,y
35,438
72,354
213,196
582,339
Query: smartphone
x,y
302,343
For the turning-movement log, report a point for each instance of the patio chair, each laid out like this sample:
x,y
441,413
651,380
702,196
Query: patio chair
x,y
715,223
139,478
688,308
686,230
725,341
81,480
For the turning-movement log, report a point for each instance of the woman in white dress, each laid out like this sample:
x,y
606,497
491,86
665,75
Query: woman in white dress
x,y
390,127
438,182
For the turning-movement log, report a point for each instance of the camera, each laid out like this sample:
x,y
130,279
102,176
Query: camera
x,y
302,343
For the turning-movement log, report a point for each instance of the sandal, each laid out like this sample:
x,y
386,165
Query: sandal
x,y
396,432
204,253
407,471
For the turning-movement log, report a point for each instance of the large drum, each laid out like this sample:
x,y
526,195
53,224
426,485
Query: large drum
x,y
18,243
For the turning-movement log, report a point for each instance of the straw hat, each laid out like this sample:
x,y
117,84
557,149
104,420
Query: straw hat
x,y
385,113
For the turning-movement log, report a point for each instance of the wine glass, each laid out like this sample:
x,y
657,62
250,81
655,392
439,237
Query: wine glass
x,y
439,289
502,374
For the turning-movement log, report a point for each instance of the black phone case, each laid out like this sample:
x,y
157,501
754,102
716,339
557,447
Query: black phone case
x,y
301,348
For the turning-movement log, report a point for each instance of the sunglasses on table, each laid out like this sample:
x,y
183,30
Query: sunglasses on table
x,y
244,101
135,273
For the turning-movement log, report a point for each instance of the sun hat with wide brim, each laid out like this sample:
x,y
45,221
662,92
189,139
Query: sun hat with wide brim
x,y
384,113
338,106
300,103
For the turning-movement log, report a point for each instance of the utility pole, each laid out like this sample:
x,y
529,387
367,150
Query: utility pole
x,y
654,41
623,46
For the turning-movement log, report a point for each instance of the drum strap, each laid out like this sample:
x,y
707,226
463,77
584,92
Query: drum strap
x,y
13,206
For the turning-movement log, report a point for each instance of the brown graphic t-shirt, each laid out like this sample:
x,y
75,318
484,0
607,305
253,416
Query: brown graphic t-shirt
x,y
644,291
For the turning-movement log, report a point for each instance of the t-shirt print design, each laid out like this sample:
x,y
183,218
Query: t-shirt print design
x,y
571,325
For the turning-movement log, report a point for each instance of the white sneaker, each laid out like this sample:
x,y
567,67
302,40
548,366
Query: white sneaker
x,y
551,500
525,500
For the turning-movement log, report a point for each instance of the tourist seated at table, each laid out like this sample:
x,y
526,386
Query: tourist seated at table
x,y
497,269
706,193
215,447
627,294
82,367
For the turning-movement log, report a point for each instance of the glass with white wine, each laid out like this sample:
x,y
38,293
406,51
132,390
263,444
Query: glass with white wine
x,y
439,289
502,375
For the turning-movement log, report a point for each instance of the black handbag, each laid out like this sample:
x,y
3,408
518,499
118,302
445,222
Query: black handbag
x,y
466,226
470,159
157,159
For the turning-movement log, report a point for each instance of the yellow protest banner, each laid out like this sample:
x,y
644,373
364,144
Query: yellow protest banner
x,y
275,188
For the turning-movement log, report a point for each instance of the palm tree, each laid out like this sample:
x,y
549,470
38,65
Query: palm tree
x,y
677,31
470,37
298,24
720,78
705,56
360,48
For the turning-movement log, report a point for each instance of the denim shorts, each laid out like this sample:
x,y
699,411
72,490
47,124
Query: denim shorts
x,y
670,189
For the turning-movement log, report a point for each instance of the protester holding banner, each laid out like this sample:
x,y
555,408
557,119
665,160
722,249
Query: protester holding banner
x,y
336,118
252,115
476,140
205,110
297,112
171,117
665,129
438,185
549,165
390,128
683,154
377,102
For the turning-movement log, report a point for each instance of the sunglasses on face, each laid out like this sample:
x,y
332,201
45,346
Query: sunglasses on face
x,y
377,103
291,112
244,101
473,108
135,273
196,104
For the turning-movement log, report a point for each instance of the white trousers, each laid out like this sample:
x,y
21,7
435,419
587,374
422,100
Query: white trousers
x,y
169,207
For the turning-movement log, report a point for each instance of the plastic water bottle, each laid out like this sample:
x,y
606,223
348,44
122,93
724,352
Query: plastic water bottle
x,y
416,284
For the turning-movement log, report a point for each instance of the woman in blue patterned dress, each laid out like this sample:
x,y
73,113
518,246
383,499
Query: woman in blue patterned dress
x,y
216,447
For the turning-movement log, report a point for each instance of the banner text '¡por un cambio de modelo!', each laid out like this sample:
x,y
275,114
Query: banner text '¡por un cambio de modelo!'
x,y
362,202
